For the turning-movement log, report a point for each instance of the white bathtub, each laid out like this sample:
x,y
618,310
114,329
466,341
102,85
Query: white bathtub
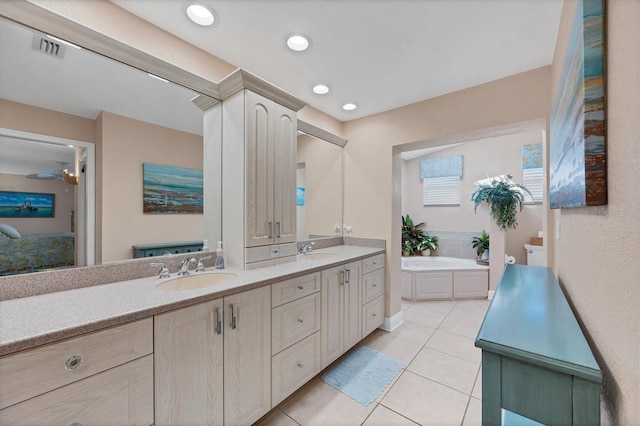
x,y
443,278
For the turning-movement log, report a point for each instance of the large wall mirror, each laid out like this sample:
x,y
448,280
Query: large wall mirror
x,y
66,108
319,183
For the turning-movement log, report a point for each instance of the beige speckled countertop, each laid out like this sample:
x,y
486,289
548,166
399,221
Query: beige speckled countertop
x,y
32,321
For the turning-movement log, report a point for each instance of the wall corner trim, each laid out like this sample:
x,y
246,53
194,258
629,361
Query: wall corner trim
x,y
391,323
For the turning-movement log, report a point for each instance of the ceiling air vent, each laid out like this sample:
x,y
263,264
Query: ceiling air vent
x,y
48,46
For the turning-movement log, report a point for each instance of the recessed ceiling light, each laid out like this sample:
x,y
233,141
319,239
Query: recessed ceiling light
x,y
321,89
298,42
200,14
349,107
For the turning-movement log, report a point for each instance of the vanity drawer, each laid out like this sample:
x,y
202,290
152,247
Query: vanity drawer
x,y
294,321
36,371
295,288
372,263
372,315
294,366
372,285
120,396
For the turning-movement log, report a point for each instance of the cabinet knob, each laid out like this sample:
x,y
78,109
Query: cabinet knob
x,y
300,365
300,287
375,285
73,362
300,320
374,315
75,424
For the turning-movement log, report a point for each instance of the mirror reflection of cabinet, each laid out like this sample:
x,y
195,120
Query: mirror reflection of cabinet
x,y
258,171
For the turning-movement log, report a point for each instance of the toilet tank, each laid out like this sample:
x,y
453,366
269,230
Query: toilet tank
x,y
534,255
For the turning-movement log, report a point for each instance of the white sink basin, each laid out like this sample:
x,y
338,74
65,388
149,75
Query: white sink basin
x,y
318,256
195,281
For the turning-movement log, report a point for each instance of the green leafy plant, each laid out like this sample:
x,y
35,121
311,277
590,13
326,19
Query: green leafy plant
x,y
504,197
412,235
429,242
480,243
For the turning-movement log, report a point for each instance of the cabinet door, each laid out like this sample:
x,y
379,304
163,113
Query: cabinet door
x,y
188,365
247,356
332,290
259,157
352,306
285,160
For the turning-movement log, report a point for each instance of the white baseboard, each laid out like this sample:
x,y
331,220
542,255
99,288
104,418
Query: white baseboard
x,y
392,323
490,295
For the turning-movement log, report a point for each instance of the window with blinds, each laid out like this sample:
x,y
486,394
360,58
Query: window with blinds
x,y
532,179
441,191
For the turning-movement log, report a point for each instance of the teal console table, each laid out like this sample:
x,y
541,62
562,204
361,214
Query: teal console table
x,y
536,362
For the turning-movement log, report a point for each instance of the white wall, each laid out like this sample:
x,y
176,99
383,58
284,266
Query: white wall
x,y
481,158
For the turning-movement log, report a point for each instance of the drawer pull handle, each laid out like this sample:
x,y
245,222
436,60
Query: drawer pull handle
x,y
348,279
300,365
234,316
341,277
73,362
300,287
219,320
300,320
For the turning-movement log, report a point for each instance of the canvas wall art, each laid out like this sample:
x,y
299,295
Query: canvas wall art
x,y
578,170
168,189
27,204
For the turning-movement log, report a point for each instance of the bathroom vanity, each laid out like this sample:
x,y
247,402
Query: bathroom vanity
x,y
228,353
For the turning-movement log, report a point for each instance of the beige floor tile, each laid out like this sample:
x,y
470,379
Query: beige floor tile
x,y
424,316
321,404
391,345
445,369
414,332
406,305
389,386
456,345
477,388
382,416
276,418
425,402
473,416
440,306
462,322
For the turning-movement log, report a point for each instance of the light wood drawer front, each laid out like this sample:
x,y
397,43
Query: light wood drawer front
x,y
120,396
294,321
372,263
36,371
294,366
372,315
295,288
372,285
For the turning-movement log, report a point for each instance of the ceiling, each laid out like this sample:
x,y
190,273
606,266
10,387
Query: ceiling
x,y
378,54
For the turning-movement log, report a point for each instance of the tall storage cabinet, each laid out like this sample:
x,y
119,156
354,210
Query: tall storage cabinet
x,y
259,139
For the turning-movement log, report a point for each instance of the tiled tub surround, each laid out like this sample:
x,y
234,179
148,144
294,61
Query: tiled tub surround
x,y
455,244
32,321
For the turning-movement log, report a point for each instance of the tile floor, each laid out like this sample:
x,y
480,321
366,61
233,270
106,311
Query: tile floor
x,y
440,384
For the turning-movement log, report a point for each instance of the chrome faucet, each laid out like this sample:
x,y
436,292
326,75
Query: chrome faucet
x,y
200,265
164,271
306,247
184,268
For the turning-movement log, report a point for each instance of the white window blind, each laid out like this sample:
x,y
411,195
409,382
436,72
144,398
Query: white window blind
x,y
441,191
532,179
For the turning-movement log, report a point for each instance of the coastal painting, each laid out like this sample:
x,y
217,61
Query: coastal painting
x,y
578,170
168,189
27,204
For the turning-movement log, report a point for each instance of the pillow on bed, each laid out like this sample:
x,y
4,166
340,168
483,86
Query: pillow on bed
x,y
9,231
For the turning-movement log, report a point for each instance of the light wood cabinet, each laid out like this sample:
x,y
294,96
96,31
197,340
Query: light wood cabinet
x,y
189,365
341,310
373,294
107,374
247,356
213,361
259,170
295,366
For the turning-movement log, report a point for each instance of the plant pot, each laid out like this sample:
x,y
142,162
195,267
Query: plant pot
x,y
405,253
425,252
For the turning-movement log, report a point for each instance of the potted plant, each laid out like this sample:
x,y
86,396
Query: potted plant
x,y
504,197
428,245
481,244
412,235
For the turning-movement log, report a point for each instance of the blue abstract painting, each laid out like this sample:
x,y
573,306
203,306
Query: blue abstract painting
x,y
532,156
168,189
441,167
578,173
300,196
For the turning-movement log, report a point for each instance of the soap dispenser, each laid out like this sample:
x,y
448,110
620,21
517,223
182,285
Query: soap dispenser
x,y
219,257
